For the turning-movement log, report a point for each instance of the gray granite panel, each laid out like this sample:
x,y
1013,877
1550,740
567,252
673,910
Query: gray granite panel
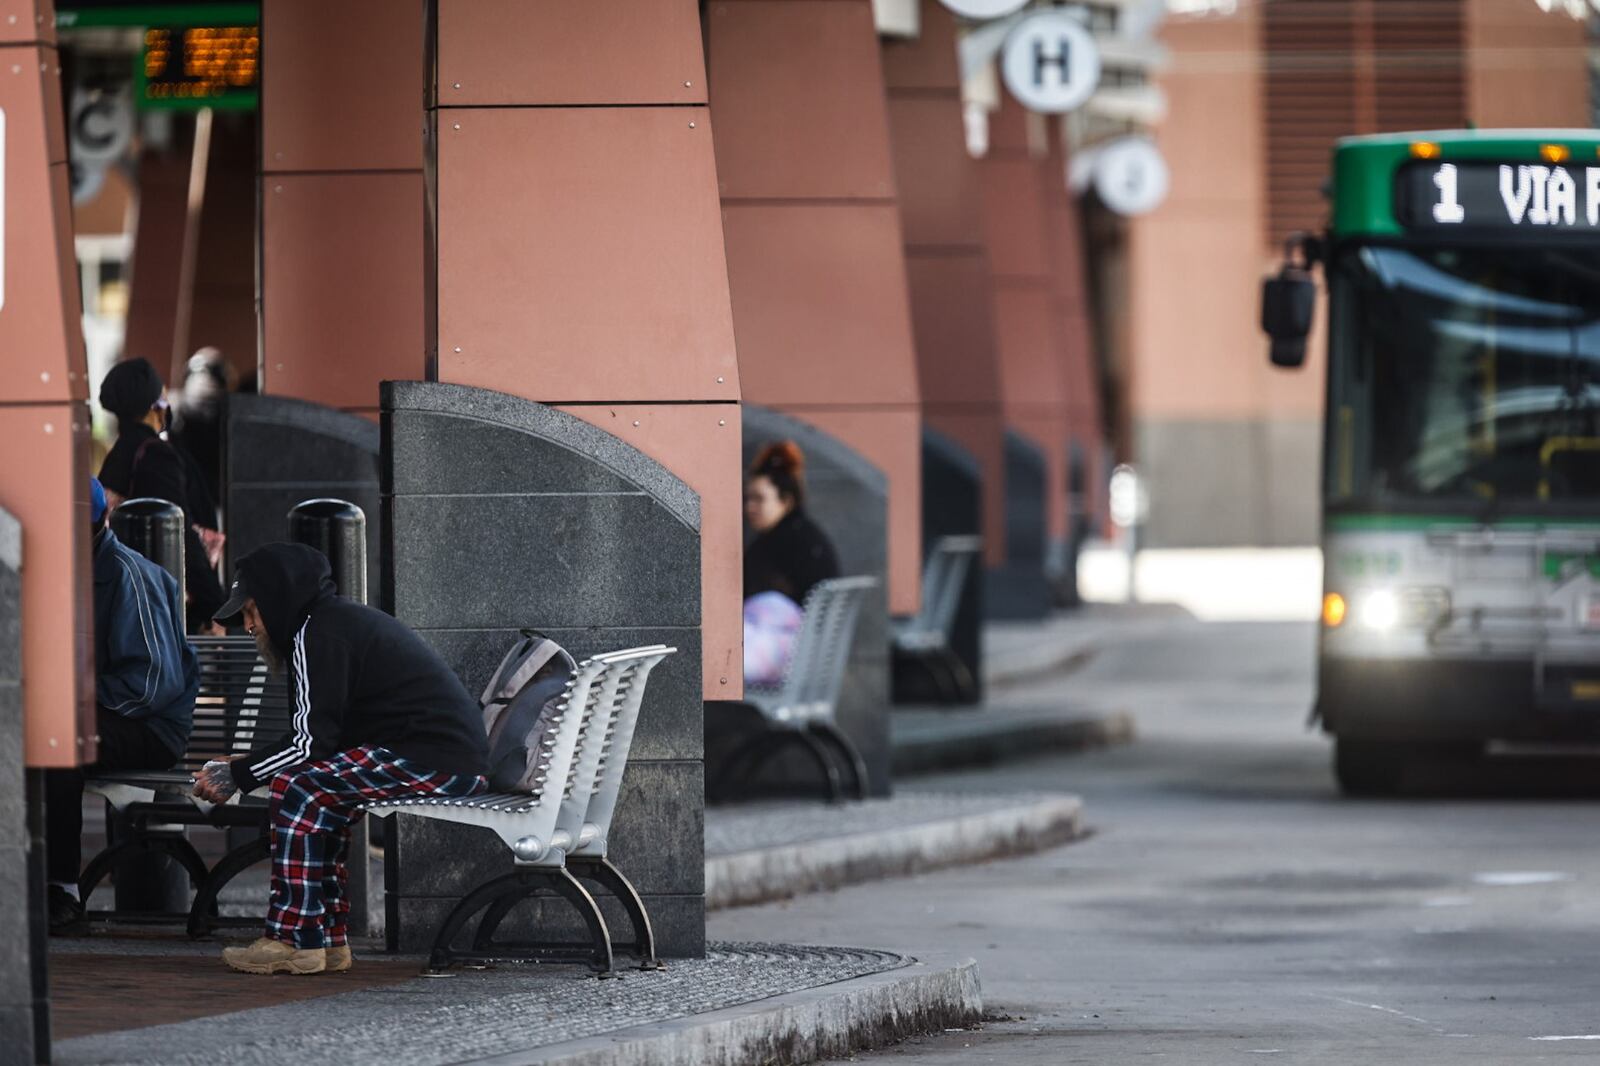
x,y
849,498
1020,588
427,460
487,561
278,452
660,802
500,514
679,923
670,720
15,980
539,425
16,971
16,1026
952,505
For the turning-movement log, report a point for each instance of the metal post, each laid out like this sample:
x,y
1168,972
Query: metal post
x,y
152,882
338,529
154,529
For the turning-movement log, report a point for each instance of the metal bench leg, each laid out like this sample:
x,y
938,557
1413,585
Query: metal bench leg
x,y
202,914
763,748
504,893
739,766
830,734
607,876
175,847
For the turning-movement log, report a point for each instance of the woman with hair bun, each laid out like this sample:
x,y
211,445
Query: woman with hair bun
x,y
787,556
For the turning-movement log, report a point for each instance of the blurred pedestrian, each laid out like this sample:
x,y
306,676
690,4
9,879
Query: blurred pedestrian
x,y
789,553
197,417
143,463
146,680
787,556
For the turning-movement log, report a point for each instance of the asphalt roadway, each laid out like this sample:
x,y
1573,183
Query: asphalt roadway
x,y
1232,908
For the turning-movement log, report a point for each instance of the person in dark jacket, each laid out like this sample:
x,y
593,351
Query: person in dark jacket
x,y
146,680
142,463
789,553
377,714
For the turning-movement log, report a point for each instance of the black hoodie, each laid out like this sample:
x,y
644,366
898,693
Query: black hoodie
x,y
356,676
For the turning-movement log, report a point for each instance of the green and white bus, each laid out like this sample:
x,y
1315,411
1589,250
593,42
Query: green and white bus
x,y
1461,467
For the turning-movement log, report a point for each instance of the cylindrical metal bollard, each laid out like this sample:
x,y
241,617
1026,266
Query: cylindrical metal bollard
x,y
337,529
151,881
154,529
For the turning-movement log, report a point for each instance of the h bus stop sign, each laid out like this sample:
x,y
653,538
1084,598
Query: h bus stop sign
x,y
1050,63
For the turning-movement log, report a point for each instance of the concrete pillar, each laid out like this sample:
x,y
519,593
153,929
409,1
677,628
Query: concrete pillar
x,y
222,294
816,258
44,607
947,265
162,183
576,253
1075,330
43,390
342,300
575,258
1015,177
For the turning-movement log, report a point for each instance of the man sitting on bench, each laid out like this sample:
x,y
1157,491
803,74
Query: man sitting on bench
x,y
377,715
146,679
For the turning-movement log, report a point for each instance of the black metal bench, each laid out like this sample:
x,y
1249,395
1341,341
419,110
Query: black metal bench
x,y
923,640
800,712
240,704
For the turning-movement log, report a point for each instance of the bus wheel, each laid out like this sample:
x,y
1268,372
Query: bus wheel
x,y
1369,768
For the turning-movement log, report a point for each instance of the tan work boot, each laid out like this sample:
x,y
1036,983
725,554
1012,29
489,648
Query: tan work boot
x,y
274,956
339,959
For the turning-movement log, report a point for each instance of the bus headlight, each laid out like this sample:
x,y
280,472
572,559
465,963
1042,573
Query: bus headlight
x,y
1383,610
1380,610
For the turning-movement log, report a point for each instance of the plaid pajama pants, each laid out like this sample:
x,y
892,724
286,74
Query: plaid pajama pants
x,y
312,809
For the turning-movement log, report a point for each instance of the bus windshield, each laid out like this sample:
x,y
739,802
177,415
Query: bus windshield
x,y
1464,377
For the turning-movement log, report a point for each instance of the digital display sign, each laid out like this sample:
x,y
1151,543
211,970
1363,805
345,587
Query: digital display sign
x,y
1504,198
200,66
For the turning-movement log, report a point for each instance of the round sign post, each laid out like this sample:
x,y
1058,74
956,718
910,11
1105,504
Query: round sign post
x,y
1050,63
1130,176
984,9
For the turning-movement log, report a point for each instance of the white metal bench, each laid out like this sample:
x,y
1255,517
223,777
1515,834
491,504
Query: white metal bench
x,y
924,638
558,835
800,711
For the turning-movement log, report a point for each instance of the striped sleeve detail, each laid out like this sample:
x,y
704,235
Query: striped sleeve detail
x,y
299,749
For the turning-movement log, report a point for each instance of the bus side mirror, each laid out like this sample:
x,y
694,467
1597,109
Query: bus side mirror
x,y
1287,302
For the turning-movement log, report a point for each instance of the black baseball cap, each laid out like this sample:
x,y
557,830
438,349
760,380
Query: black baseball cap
x,y
231,614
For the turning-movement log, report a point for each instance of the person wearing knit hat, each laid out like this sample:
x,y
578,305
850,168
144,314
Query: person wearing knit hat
x,y
143,463
146,681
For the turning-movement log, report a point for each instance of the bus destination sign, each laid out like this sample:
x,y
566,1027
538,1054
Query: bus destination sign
x,y
1500,197
200,66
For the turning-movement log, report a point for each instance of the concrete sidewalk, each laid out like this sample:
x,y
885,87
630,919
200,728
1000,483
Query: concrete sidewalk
x,y
743,1003
1029,707
766,851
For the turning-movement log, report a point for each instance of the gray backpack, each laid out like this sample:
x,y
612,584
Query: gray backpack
x,y
519,707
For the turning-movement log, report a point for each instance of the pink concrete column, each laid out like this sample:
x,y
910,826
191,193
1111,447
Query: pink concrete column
x,y
579,257
1075,323
1015,177
952,301
43,392
341,199
816,258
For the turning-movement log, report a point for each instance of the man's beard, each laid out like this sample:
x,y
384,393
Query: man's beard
x,y
269,654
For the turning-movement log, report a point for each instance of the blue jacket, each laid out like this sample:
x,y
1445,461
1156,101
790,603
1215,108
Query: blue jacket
x,y
144,667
